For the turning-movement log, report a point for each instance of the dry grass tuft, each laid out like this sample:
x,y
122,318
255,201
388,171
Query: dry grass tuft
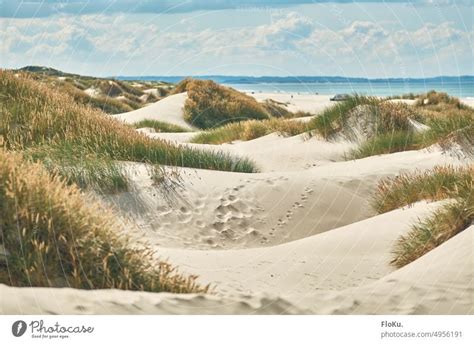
x,y
160,127
56,238
442,182
437,100
250,130
439,183
211,105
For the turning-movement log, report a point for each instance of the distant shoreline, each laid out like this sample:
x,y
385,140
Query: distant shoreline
x,y
230,79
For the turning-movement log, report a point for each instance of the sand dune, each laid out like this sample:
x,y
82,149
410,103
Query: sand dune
x,y
169,109
441,282
222,210
49,301
350,256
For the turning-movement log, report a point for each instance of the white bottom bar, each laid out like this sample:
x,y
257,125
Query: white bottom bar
x,y
237,329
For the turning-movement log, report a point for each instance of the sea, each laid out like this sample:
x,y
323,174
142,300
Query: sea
x,y
458,89
459,86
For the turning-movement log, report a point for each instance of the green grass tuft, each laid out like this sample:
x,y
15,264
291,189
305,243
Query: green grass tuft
x,y
160,127
250,130
442,182
432,232
90,171
397,141
439,183
335,118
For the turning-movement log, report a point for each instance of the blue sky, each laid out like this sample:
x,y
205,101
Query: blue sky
x,y
251,37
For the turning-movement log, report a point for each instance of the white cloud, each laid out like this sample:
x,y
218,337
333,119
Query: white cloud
x,y
288,42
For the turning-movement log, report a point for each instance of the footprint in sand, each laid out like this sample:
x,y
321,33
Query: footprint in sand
x,y
199,204
219,226
238,187
298,205
199,224
184,210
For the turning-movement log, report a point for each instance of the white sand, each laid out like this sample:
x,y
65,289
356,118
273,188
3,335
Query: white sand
x,y
221,210
468,101
441,282
92,92
169,109
350,256
312,103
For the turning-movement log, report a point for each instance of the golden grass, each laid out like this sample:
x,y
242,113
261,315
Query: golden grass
x,y
131,92
250,130
160,127
32,114
57,238
210,105
438,100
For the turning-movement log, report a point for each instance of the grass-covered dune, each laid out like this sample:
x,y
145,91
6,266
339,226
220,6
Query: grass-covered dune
x,y
442,182
55,237
387,127
33,116
53,234
210,105
109,95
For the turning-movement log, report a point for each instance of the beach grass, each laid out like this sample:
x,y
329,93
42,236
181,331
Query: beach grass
x,y
76,165
437,100
211,105
434,231
397,141
440,131
160,127
106,104
436,184
335,118
249,130
110,95
32,114
55,237
384,127
439,183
